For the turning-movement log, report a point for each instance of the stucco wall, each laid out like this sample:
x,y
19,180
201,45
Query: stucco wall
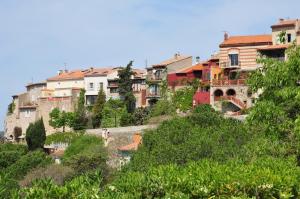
x,y
247,55
79,83
96,82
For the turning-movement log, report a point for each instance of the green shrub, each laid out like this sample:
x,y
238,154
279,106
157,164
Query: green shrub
x,y
86,153
264,178
162,107
201,135
26,163
7,158
60,137
183,98
13,147
58,173
84,186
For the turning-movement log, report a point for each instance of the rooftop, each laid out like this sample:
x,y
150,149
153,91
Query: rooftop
x,y
247,40
196,67
95,72
176,58
285,23
36,84
69,75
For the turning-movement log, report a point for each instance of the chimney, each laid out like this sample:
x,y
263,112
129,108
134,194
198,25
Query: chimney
x,y
281,20
176,56
60,72
226,36
197,60
91,69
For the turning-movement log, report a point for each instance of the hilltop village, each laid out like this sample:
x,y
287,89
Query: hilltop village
x,y
222,78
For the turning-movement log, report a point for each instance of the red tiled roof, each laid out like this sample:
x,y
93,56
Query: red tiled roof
x,y
247,40
189,69
70,75
172,60
94,72
137,139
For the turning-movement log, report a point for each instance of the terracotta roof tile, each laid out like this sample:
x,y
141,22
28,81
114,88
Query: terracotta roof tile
x,y
246,40
189,69
172,60
137,140
94,72
70,75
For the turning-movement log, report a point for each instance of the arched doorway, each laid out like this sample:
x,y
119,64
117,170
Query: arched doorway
x,y
230,92
218,94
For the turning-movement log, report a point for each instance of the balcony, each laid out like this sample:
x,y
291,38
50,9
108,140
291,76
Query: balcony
x,y
230,65
235,82
152,94
154,78
113,85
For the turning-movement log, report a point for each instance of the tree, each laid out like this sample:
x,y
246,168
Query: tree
x,y
80,118
97,113
11,108
60,119
278,107
125,87
36,135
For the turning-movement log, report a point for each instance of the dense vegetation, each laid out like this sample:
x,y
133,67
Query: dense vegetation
x,y
202,155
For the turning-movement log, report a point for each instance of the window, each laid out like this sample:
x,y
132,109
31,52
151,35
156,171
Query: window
x,y
234,59
91,86
289,38
27,113
101,86
113,90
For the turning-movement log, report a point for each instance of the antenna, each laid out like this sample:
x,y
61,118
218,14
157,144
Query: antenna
x,y
146,63
65,65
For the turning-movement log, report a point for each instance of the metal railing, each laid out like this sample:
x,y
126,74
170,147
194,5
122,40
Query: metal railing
x,y
230,65
237,82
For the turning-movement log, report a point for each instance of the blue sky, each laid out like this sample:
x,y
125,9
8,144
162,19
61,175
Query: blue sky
x,y
38,37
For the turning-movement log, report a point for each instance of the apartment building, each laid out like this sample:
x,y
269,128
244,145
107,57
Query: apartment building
x,y
238,57
159,72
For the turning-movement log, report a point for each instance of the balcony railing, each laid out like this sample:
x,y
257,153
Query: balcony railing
x,y
153,94
230,65
235,82
154,77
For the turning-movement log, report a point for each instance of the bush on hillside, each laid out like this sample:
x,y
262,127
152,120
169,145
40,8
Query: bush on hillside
x,y
162,107
62,137
183,99
86,153
10,153
27,162
264,178
83,186
58,173
201,135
